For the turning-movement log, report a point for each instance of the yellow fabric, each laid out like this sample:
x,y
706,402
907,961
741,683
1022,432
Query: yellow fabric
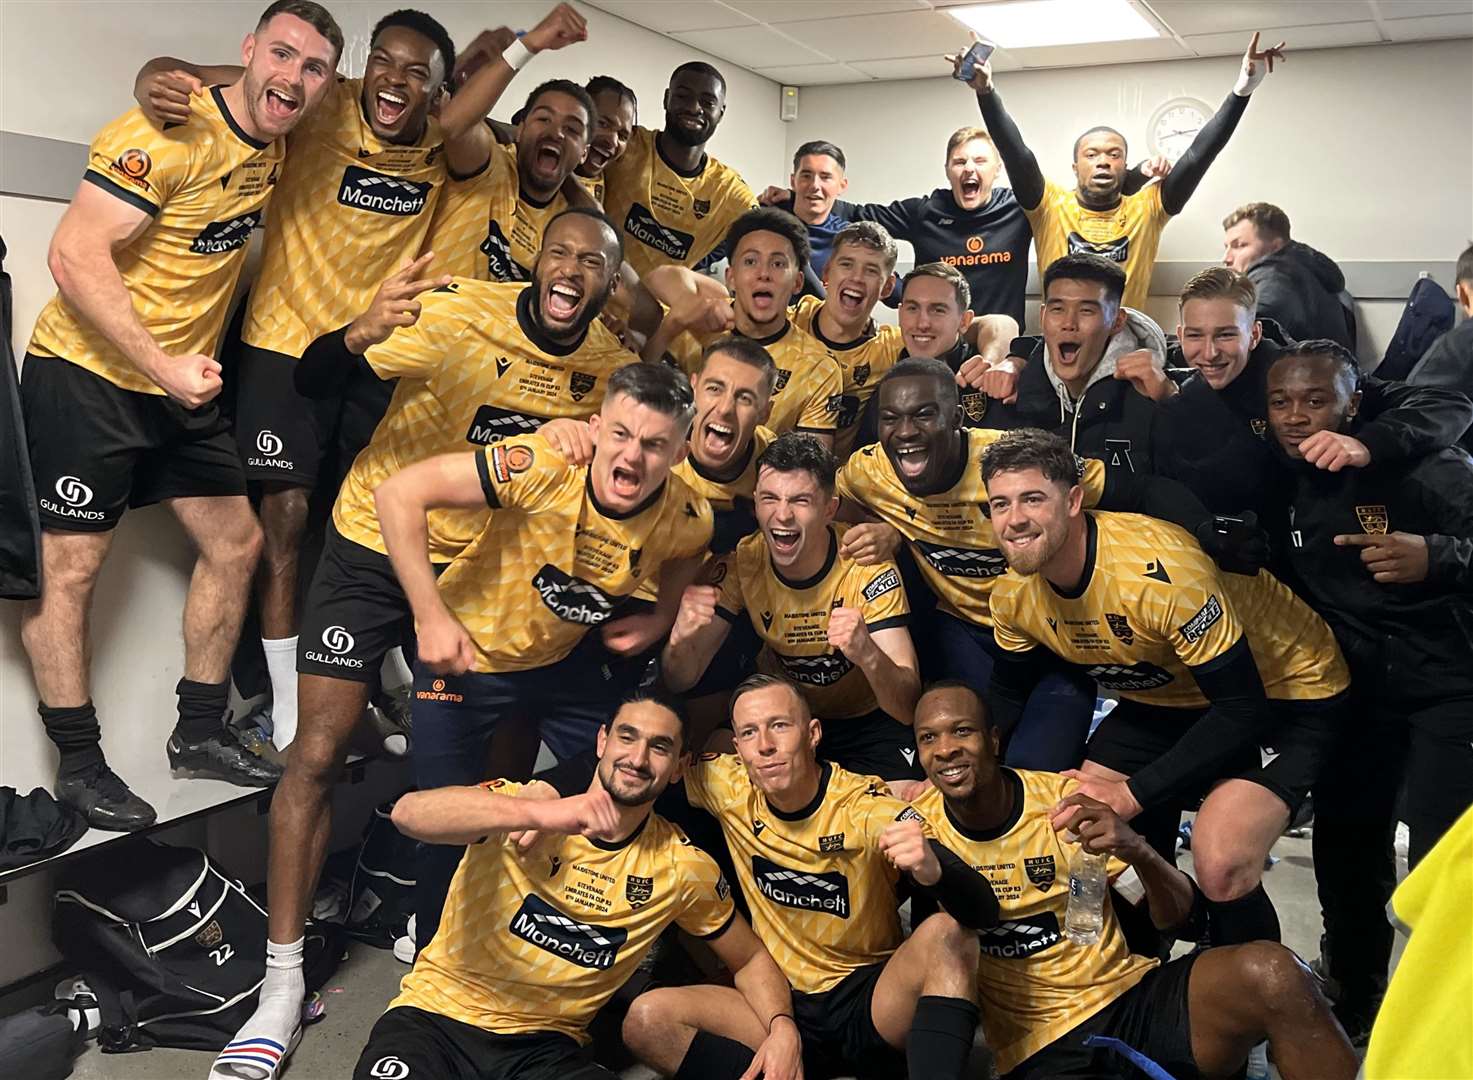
x,y
594,185
1156,605
1128,234
348,211
668,218
807,393
469,374
1035,984
862,364
1421,1032
950,537
551,564
539,941
794,622
485,228
205,187
821,892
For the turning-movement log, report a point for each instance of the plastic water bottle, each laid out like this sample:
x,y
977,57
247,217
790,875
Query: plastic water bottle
x,y
1087,887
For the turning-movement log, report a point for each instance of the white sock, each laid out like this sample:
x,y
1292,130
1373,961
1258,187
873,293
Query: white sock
x,y
281,663
260,1047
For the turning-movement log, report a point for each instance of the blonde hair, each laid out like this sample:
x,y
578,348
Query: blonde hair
x,y
1220,283
966,135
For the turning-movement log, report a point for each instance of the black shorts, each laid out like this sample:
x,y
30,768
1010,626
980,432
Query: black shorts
x,y
839,1033
283,436
872,745
355,612
1135,734
1151,1018
411,1044
97,449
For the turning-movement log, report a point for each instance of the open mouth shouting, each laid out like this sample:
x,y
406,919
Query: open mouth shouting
x,y
281,105
718,442
625,483
911,461
850,301
764,305
547,159
1066,353
971,187
784,543
389,107
563,301
599,156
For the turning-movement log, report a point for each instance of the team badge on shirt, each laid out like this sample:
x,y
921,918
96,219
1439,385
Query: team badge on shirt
x,y
580,383
700,207
1040,871
638,890
1120,626
1373,519
861,374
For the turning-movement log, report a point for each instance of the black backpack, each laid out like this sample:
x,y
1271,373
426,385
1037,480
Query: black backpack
x,y
173,948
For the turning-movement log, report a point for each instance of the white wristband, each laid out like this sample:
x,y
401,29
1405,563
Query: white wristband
x,y
516,55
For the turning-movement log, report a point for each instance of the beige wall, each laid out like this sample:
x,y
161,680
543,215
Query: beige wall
x,y
1369,150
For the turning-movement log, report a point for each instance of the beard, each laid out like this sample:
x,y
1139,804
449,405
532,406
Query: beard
x,y
647,794
686,137
1036,555
591,310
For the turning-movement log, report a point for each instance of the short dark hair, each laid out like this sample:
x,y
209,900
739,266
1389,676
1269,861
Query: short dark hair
x,y
819,146
1348,366
794,451
656,386
769,219
1464,272
672,703
561,86
1099,127
700,67
598,216
314,15
600,84
948,396
426,26
752,683
1083,266
745,350
1032,448
942,272
938,686
1267,218
870,234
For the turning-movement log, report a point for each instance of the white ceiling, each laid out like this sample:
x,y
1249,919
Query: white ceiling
x,y
811,42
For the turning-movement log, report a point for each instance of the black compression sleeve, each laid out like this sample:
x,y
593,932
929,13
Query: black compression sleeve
x,y
966,895
1401,422
1014,675
1234,721
1023,171
326,366
1187,173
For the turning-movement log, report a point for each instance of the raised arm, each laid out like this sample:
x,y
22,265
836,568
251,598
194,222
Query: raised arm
x,y
1023,171
1169,893
164,85
700,628
886,656
468,815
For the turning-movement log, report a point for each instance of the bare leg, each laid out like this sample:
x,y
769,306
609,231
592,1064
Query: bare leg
x,y
55,629
1240,995
284,523
1235,830
661,1024
228,539
939,959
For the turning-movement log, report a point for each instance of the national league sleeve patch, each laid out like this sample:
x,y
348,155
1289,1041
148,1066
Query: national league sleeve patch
x,y
881,584
1195,628
499,467
910,813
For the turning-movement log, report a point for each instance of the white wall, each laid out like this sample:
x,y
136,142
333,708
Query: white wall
x,y
1369,150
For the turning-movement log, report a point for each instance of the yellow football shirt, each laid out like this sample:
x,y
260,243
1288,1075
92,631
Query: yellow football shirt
x,y
792,619
821,892
1035,985
862,363
1154,605
1128,234
552,563
808,391
485,227
348,211
204,183
473,370
540,940
670,216
950,536
594,185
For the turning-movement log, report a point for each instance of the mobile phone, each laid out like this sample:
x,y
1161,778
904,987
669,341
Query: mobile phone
x,y
974,58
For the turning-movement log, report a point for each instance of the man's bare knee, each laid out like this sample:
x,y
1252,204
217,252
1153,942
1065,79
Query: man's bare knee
x,y
1223,877
70,562
284,521
950,945
1273,975
647,1023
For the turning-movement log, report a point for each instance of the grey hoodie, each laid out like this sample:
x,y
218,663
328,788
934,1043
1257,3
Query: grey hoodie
x,y
1139,332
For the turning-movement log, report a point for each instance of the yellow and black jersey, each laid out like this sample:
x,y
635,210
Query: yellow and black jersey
x,y
1035,985
474,369
204,183
540,940
1152,605
669,216
821,892
348,211
486,228
552,562
948,533
862,363
1128,234
594,185
808,393
792,618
